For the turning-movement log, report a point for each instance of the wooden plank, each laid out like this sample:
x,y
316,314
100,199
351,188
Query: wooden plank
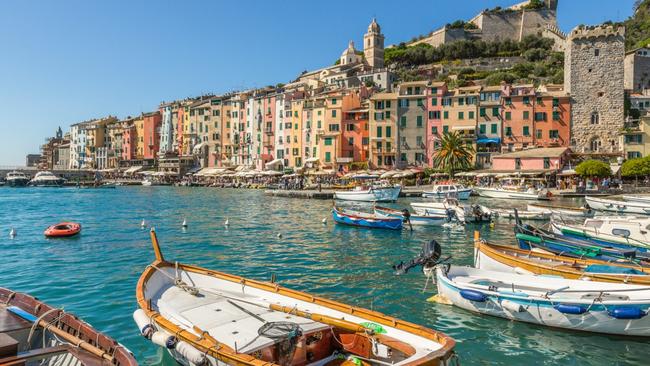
x,y
35,354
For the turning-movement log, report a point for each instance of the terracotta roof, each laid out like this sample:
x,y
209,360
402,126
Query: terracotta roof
x,y
546,152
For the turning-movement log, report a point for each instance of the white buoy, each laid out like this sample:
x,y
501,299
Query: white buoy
x,y
279,235
324,221
143,224
227,223
184,224
12,233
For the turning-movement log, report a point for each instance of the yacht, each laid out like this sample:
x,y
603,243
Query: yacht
x,y
46,179
375,193
16,179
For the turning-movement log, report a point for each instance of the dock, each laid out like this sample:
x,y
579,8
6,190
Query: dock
x,y
328,194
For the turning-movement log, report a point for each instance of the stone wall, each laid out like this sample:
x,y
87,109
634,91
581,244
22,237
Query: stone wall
x,y
637,71
442,36
593,76
513,25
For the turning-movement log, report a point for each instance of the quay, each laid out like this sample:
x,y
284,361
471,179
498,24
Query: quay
x,y
328,194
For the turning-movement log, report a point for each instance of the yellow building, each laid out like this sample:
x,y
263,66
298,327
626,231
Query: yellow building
x,y
138,122
294,134
383,130
635,138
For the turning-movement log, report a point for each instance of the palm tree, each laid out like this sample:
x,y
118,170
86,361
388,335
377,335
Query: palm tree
x,y
453,154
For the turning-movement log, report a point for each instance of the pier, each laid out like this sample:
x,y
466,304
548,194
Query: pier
x,y
328,194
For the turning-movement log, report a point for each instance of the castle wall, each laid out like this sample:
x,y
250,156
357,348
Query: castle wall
x,y
513,25
442,36
637,70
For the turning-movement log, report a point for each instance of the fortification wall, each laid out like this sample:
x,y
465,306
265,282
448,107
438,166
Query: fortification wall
x,y
513,25
442,36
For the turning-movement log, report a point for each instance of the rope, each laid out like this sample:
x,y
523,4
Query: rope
x,y
38,320
178,282
10,297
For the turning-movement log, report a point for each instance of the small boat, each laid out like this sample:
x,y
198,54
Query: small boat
x,y
371,194
35,333
603,204
645,198
518,193
448,191
46,179
504,258
16,179
203,316
363,219
406,216
600,307
147,182
509,214
464,213
62,230
628,231
561,210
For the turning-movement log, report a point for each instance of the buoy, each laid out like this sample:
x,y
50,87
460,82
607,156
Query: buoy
x,y
144,323
184,224
143,223
227,223
473,295
279,235
164,339
324,221
12,233
512,306
190,353
491,225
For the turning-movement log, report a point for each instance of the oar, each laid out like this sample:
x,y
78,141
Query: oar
x,y
61,333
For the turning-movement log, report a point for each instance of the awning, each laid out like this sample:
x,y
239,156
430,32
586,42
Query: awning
x,y
491,140
463,128
311,160
133,169
274,163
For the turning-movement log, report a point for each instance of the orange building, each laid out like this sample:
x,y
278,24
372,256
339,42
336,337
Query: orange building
x,y
151,133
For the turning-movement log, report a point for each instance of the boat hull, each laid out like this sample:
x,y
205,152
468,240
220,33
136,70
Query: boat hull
x,y
462,194
367,222
562,211
618,206
416,220
507,194
17,182
382,194
601,238
523,215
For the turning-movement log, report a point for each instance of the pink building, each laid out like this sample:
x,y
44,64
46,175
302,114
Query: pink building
x,y
152,122
552,158
268,130
434,95
129,141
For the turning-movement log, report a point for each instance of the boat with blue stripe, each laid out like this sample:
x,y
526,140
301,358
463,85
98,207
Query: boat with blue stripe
x,y
418,220
364,219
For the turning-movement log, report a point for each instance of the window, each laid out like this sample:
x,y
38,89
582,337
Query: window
x,y
527,100
351,141
556,116
508,131
403,103
328,141
538,134
633,139
364,141
481,129
595,118
334,101
402,122
417,90
526,115
418,121
445,114
540,116
507,101
517,163
334,113
481,112
446,102
633,154
434,91
547,163
328,157
434,101
495,112
526,131
387,114
556,102
470,114
434,130
461,115
418,141
597,52
388,104
493,128
508,116
554,134
420,103
461,101
378,131
445,129
388,131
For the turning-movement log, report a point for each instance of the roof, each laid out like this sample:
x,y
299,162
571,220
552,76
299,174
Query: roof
x,y
437,84
414,83
384,96
492,88
545,152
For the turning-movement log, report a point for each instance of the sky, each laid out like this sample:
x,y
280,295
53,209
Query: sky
x,y
67,61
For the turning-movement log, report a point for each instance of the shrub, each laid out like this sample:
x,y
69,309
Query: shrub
x,y
593,168
639,167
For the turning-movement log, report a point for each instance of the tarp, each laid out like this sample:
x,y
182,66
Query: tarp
x,y
491,140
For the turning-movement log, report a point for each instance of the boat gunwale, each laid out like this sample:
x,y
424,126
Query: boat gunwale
x,y
342,212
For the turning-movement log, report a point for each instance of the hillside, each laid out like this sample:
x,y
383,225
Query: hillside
x,y
637,27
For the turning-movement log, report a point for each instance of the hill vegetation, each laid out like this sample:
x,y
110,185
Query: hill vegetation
x,y
637,27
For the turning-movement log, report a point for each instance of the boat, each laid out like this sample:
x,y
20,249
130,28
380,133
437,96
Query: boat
x,y
510,192
448,191
203,316
627,230
16,179
370,194
561,210
504,258
509,214
364,219
62,230
147,182
407,217
644,198
464,213
35,333
627,207
600,307
46,179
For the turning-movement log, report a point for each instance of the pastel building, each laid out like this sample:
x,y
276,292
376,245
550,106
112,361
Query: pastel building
x,y
518,116
168,128
435,93
489,126
412,123
542,159
151,123
383,130
355,134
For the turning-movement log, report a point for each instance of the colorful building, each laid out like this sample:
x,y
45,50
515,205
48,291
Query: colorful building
x,y
412,123
542,159
151,123
383,130
435,92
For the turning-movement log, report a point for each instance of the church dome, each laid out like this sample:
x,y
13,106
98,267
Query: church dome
x,y
374,27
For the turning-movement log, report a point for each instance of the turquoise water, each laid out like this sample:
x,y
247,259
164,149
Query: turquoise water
x,y
94,275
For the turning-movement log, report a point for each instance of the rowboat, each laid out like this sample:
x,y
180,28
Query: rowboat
x,y
448,191
645,199
203,316
561,210
372,194
603,204
363,219
509,214
35,333
517,193
406,216
626,231
464,213
600,307
503,258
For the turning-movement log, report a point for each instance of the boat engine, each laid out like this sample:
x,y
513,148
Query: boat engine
x,y
428,257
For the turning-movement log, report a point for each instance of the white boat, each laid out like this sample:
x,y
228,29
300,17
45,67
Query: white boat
x,y
509,214
561,210
416,220
603,204
625,230
46,179
16,179
600,307
206,317
464,213
448,191
371,194
645,199
518,193
147,182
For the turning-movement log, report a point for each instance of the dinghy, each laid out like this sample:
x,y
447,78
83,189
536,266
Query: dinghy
x,y
627,207
599,307
458,191
206,317
34,333
363,219
504,258
406,216
561,210
627,231
517,193
464,213
508,214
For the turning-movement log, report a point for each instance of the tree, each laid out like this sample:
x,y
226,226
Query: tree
x,y
639,167
593,169
453,154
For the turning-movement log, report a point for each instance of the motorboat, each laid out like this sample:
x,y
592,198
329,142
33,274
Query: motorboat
x,y
364,219
509,214
638,198
561,210
46,179
35,333
513,192
375,193
147,182
448,191
16,179
407,217
464,213
627,230
600,307
505,258
63,229
203,316
626,207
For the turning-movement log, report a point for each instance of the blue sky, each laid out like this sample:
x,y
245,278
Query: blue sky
x,y
71,60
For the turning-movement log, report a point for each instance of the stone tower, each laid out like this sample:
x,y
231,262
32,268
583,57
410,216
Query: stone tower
x,y
373,46
594,78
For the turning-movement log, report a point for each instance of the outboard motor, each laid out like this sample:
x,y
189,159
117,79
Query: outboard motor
x,y
428,257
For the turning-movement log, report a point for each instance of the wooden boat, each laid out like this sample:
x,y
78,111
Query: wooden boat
x,y
509,214
561,210
371,194
517,193
62,230
203,316
600,307
457,191
363,219
626,231
34,333
627,207
503,258
420,220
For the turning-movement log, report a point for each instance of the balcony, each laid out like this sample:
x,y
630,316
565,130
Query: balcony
x,y
631,127
268,131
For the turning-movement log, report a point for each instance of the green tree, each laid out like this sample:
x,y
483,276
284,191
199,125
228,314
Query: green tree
x,y
639,167
593,169
453,154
